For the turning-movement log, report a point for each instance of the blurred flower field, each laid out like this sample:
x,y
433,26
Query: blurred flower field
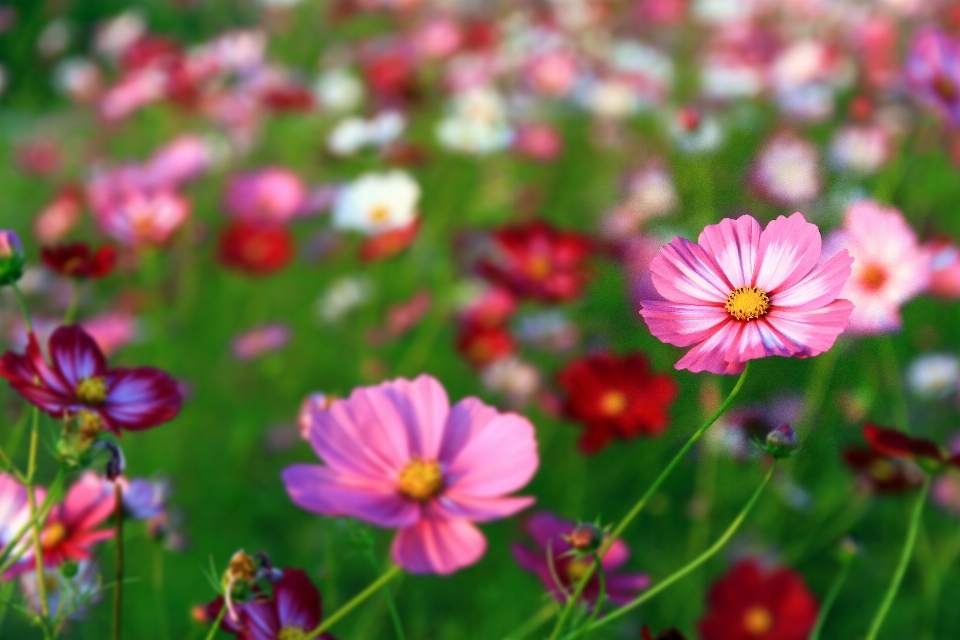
x,y
403,319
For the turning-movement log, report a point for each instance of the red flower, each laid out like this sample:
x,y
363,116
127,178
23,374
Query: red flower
x,y
389,243
881,474
78,381
538,261
77,261
616,396
896,444
293,611
483,345
257,249
753,603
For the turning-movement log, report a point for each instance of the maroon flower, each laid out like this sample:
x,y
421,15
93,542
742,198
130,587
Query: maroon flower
x,y
616,396
257,249
293,611
754,603
389,243
880,473
537,261
76,260
78,380
896,444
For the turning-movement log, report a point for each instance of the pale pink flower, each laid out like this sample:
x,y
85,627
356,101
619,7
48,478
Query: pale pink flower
x,y
743,293
184,158
260,340
271,195
143,217
553,73
399,456
890,267
112,330
786,171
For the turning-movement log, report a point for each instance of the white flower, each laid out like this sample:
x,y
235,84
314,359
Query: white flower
x,y
860,149
611,98
377,202
933,375
477,123
116,35
338,90
513,378
343,296
354,133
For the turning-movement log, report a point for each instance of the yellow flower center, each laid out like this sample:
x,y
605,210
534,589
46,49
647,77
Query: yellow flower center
x,y
379,214
53,535
882,469
421,480
758,621
538,267
92,390
89,424
292,633
748,303
873,277
577,569
613,403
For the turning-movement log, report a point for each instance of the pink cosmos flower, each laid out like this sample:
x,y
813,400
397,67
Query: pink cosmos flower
x,y
71,530
399,456
272,195
260,340
143,217
786,171
14,509
743,293
78,380
890,267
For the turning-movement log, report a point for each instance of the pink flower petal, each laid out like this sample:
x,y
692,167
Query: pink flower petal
x,y
816,329
708,355
789,250
500,457
453,505
423,406
683,324
733,244
438,546
329,492
817,288
685,272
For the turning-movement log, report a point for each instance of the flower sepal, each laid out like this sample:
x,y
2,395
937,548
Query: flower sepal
x,y
11,258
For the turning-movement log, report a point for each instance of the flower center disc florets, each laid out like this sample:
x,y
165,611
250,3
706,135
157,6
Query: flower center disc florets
x,y
748,303
292,633
613,403
758,621
92,390
421,480
53,535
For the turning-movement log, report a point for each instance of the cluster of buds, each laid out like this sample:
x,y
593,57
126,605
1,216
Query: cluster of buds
x,y
81,431
11,258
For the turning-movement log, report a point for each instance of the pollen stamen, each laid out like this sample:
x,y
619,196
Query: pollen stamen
x,y
747,303
421,480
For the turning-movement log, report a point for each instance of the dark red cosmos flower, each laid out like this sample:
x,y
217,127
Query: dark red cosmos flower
x,y
880,473
76,260
293,611
257,249
754,603
482,345
669,634
896,444
616,396
79,382
537,261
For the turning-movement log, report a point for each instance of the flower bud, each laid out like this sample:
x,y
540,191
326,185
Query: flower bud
x,y
11,257
782,442
69,569
848,549
585,538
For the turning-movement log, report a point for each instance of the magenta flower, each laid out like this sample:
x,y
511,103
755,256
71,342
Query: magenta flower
x,y
549,534
890,266
78,380
933,71
271,195
742,294
399,456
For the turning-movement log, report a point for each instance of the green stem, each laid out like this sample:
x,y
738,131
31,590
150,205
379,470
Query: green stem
x,y
905,555
23,307
600,598
32,501
892,369
71,315
538,620
216,623
699,560
641,503
118,538
816,392
835,588
391,573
